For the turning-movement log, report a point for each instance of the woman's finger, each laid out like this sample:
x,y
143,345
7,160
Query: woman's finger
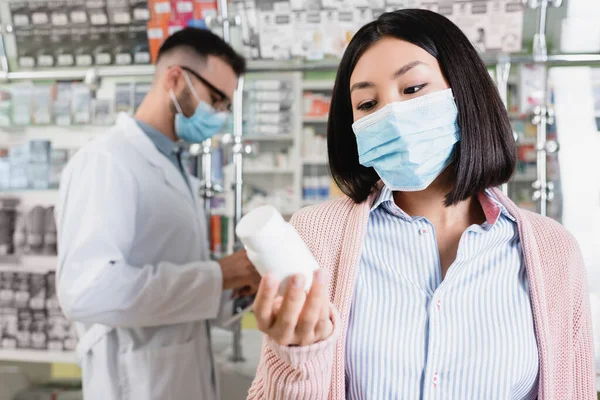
x,y
263,303
287,318
311,313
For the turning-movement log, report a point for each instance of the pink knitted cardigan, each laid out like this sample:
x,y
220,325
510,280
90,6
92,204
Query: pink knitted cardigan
x,y
334,233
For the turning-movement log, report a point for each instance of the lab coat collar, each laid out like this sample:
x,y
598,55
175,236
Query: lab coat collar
x,y
139,140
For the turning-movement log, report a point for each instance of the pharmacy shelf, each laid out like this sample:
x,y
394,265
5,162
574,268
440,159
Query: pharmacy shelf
x,y
31,264
523,178
317,162
38,356
315,120
32,197
68,137
269,170
527,142
317,85
268,138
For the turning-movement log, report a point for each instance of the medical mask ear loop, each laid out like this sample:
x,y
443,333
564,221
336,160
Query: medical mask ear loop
x,y
190,86
175,102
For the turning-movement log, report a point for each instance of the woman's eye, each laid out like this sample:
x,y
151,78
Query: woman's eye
x,y
366,106
414,89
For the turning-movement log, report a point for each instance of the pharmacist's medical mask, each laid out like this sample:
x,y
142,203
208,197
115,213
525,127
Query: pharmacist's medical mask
x,y
409,143
205,123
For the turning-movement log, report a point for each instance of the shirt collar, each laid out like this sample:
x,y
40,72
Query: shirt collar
x,y
162,142
492,208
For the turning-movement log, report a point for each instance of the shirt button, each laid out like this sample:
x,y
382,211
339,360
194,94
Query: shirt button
x,y
422,231
439,303
435,380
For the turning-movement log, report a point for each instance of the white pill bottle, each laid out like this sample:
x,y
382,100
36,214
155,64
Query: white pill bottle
x,y
275,247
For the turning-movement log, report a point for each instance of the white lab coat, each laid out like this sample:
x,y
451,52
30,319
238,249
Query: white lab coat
x,y
134,272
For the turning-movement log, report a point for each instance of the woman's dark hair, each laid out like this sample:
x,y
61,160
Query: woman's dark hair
x,y
484,157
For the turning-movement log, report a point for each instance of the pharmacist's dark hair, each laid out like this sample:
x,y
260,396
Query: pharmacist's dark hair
x,y
486,154
204,43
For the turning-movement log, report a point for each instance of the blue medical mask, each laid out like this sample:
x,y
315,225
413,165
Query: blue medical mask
x,y
205,123
409,143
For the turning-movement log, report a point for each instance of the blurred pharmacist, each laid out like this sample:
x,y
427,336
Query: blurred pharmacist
x,y
441,287
134,270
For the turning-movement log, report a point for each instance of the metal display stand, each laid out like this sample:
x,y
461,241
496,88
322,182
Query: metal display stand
x,y
543,190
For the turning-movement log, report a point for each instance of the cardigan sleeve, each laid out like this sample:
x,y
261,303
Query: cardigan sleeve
x,y
583,353
295,373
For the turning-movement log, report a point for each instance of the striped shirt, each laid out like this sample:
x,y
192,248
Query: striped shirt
x,y
413,336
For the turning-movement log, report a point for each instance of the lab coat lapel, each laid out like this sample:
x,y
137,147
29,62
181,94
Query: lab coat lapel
x,y
146,148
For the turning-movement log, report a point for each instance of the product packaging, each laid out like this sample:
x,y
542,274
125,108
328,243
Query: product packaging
x,y
62,104
160,11
9,327
58,161
102,112
157,33
83,45
140,92
21,290
124,95
25,320
81,104
275,247
63,50
38,338
100,40
42,104
21,103
19,159
140,10
204,9
5,106
7,293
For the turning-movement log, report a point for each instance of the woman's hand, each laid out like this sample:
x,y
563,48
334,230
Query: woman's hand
x,y
297,318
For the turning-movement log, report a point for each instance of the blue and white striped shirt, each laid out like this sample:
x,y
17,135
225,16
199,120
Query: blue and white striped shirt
x,y
413,336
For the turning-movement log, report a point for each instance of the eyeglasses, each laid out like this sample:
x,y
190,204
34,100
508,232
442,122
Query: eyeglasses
x,y
222,101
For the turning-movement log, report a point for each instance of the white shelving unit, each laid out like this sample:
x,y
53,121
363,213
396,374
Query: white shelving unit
x,y
38,356
314,167
31,264
315,120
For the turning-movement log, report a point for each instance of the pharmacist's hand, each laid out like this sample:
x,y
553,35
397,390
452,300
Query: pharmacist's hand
x,y
297,318
239,273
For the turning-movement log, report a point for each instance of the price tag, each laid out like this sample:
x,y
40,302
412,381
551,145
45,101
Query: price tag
x,y
102,58
163,7
65,59
185,7
122,18
99,19
45,60
26,62
20,20
83,60
59,19
123,58
142,58
141,14
39,18
155,33
78,17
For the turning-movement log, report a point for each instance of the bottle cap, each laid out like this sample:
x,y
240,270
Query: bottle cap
x,y
261,228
